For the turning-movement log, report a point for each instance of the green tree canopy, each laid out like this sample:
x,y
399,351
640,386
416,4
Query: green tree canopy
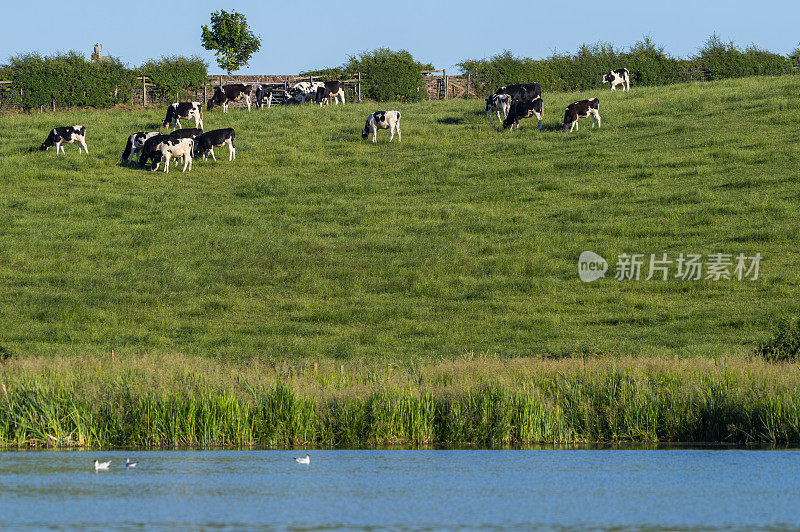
x,y
231,38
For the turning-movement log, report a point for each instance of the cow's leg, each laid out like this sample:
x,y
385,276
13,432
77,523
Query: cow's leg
x,y
597,115
247,101
60,146
212,154
186,162
231,151
166,162
391,131
374,134
572,126
83,143
269,102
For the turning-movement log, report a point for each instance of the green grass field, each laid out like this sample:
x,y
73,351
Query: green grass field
x,y
464,238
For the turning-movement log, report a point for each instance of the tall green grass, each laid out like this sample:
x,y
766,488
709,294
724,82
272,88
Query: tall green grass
x,y
484,402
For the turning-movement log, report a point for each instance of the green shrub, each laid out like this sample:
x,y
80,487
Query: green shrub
x,y
785,345
176,73
388,75
69,80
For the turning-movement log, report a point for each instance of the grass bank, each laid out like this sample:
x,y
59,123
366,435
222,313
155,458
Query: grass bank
x,y
171,400
462,238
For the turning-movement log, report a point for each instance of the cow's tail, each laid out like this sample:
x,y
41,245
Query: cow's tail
x,y
128,149
399,116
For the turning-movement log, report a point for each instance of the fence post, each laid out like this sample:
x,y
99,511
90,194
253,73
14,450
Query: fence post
x,y
468,79
444,77
204,94
359,86
144,91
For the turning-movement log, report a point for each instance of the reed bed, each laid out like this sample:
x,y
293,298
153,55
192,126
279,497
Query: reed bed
x,y
177,400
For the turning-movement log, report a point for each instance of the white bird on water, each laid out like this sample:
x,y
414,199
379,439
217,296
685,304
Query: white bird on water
x,y
128,463
305,460
101,465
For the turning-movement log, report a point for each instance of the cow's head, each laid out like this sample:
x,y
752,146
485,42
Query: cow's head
x,y
608,78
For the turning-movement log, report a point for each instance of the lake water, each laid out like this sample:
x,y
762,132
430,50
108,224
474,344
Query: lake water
x,y
403,490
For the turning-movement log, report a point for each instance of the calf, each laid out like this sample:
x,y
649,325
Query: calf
x,y
185,110
331,89
67,134
175,148
135,144
303,91
148,151
524,109
581,109
230,93
521,91
616,77
382,120
501,103
206,143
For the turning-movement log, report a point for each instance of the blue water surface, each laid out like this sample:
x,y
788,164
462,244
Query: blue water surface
x,y
684,489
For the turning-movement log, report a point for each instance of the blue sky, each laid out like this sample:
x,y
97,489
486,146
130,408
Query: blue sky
x,y
310,34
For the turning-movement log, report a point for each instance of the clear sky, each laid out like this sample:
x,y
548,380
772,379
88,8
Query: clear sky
x,y
304,35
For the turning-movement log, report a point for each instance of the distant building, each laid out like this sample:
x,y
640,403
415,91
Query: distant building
x,y
98,52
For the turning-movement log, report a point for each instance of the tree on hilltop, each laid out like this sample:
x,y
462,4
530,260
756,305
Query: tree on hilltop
x,y
231,39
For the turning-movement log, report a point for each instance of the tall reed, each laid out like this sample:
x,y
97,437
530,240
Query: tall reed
x,y
486,402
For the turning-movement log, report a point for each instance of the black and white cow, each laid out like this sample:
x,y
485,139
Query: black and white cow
x,y
184,110
523,109
206,143
616,77
330,90
66,134
148,150
382,120
521,91
175,148
500,103
135,144
303,91
581,109
230,93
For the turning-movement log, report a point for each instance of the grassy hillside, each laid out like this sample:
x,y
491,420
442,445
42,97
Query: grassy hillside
x,y
462,238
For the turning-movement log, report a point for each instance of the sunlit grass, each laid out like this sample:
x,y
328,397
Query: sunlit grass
x,y
462,238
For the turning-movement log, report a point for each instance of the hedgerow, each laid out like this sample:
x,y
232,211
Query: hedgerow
x,y
176,73
647,63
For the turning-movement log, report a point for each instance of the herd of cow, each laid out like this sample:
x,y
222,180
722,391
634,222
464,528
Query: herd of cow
x,y
515,102
511,103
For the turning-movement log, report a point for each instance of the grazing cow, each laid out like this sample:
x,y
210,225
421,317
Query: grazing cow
x,y
184,110
206,143
230,93
522,91
501,103
148,151
524,109
616,77
382,120
581,109
304,91
135,144
175,148
330,90
67,134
